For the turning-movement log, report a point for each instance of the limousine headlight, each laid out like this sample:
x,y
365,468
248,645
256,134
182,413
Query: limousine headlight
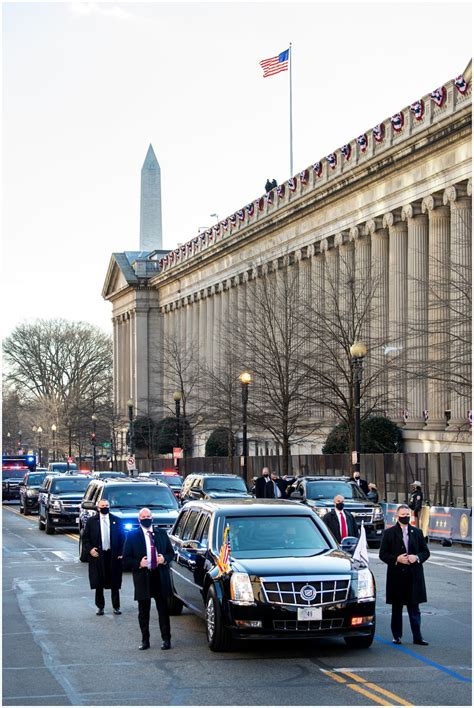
x,y
241,589
365,585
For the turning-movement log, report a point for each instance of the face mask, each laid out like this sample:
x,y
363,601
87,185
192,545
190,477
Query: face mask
x,y
404,519
146,523
104,509
340,506
357,476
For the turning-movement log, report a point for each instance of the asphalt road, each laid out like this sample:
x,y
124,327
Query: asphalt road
x,y
57,652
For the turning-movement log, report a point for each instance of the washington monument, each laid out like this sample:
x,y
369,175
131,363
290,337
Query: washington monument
x,y
151,237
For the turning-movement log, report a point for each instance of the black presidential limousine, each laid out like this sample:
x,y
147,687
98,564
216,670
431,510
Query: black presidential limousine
x,y
285,575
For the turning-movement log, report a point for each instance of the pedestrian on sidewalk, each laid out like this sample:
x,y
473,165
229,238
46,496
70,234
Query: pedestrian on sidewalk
x,y
404,550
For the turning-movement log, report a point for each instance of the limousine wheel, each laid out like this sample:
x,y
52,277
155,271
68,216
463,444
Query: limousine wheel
x,y
360,642
40,522
175,606
218,637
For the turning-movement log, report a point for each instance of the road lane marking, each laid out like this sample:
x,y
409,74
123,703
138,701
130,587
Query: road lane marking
x,y
440,667
453,567
360,685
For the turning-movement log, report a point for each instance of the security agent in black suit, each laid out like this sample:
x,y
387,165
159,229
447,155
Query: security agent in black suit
x,y
102,543
404,550
264,488
361,483
151,579
338,517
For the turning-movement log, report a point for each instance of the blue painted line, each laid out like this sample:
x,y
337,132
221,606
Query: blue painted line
x,y
440,667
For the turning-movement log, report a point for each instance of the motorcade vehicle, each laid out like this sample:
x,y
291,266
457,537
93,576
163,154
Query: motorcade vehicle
x,y
59,501
109,475
172,479
62,467
214,486
29,490
318,493
269,569
126,497
14,468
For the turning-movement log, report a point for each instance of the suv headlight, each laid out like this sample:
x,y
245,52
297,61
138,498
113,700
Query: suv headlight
x,y
365,585
378,513
31,493
241,589
55,504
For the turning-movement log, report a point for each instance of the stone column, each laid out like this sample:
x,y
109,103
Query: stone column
x,y
317,265
331,294
217,328
141,366
210,329
202,327
460,303
438,310
378,313
397,303
345,254
417,334
116,364
166,347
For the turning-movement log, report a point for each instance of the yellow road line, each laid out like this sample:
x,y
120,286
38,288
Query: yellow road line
x,y
336,676
357,687
14,511
388,693
75,537
352,676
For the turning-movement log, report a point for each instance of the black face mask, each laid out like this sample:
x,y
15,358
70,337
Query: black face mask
x,y
104,510
404,519
340,506
146,523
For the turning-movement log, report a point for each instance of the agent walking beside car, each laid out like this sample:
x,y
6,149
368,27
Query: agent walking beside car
x,y
102,544
147,553
404,550
341,523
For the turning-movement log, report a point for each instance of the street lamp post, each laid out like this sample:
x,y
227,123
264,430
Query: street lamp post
x,y
358,352
245,378
54,428
19,442
39,430
94,441
177,403
131,441
8,443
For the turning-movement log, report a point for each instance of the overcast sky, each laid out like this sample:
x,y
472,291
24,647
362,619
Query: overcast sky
x,y
87,86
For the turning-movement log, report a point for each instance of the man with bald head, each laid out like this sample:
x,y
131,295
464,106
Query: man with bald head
x,y
340,522
147,553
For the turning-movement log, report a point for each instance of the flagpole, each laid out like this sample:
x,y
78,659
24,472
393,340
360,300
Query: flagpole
x,y
291,115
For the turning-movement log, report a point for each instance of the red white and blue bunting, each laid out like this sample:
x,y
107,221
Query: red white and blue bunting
x,y
250,209
217,228
241,215
318,168
281,191
292,184
346,151
304,177
418,109
397,122
379,132
362,142
461,84
233,220
225,224
261,203
439,96
269,197
332,160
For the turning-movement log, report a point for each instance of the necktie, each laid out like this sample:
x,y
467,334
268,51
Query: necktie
x,y
153,562
405,537
343,526
105,534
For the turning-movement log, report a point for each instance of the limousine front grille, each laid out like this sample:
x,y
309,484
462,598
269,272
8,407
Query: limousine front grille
x,y
304,593
295,626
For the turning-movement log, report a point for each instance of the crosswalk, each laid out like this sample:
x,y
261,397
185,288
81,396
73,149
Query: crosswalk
x,y
460,561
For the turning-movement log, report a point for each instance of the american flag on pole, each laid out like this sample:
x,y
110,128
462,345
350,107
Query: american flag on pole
x,y
224,554
275,65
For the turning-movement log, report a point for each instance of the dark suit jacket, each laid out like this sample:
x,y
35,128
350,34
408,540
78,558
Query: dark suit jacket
x,y
364,487
405,583
264,489
91,538
133,552
332,522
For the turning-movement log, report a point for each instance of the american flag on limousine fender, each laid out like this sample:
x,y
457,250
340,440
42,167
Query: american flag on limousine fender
x,y
224,554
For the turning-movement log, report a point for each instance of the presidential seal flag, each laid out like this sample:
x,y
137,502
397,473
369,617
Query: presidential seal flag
x,y
361,552
224,553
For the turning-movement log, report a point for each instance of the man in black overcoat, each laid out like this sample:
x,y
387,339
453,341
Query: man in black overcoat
x,y
147,553
339,521
404,550
102,541
264,488
361,483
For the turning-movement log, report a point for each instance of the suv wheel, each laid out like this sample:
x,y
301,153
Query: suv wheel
x,y
40,522
81,558
218,636
175,606
48,526
21,508
360,642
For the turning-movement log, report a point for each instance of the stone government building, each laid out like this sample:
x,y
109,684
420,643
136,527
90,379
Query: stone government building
x,y
397,198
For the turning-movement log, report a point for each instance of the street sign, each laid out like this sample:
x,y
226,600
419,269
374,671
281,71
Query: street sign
x,y
105,444
69,459
355,457
130,463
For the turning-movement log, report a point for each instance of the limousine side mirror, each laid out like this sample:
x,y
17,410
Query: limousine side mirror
x,y
296,495
88,505
193,546
349,544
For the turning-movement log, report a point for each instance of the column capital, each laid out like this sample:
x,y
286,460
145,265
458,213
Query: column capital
x,y
323,245
410,211
354,233
429,204
392,218
310,251
454,193
373,225
469,187
340,239
298,255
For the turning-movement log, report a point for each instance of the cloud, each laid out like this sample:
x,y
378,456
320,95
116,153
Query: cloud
x,y
88,9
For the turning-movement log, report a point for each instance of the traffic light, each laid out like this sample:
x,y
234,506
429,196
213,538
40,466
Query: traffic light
x,y
93,438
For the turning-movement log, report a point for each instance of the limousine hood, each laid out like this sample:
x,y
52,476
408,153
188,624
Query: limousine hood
x,y
330,562
229,495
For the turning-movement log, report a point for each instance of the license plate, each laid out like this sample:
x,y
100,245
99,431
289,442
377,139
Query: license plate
x,y
77,519
379,531
310,613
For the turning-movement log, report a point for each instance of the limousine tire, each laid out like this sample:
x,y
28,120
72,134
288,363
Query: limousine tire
x,y
40,522
360,642
175,606
218,636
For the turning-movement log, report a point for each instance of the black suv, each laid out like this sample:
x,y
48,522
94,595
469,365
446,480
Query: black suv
x,y
214,486
319,493
29,491
285,576
126,497
59,501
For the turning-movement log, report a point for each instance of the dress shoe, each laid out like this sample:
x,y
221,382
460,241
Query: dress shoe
x,y
117,611
421,642
166,644
144,645
396,640
100,611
